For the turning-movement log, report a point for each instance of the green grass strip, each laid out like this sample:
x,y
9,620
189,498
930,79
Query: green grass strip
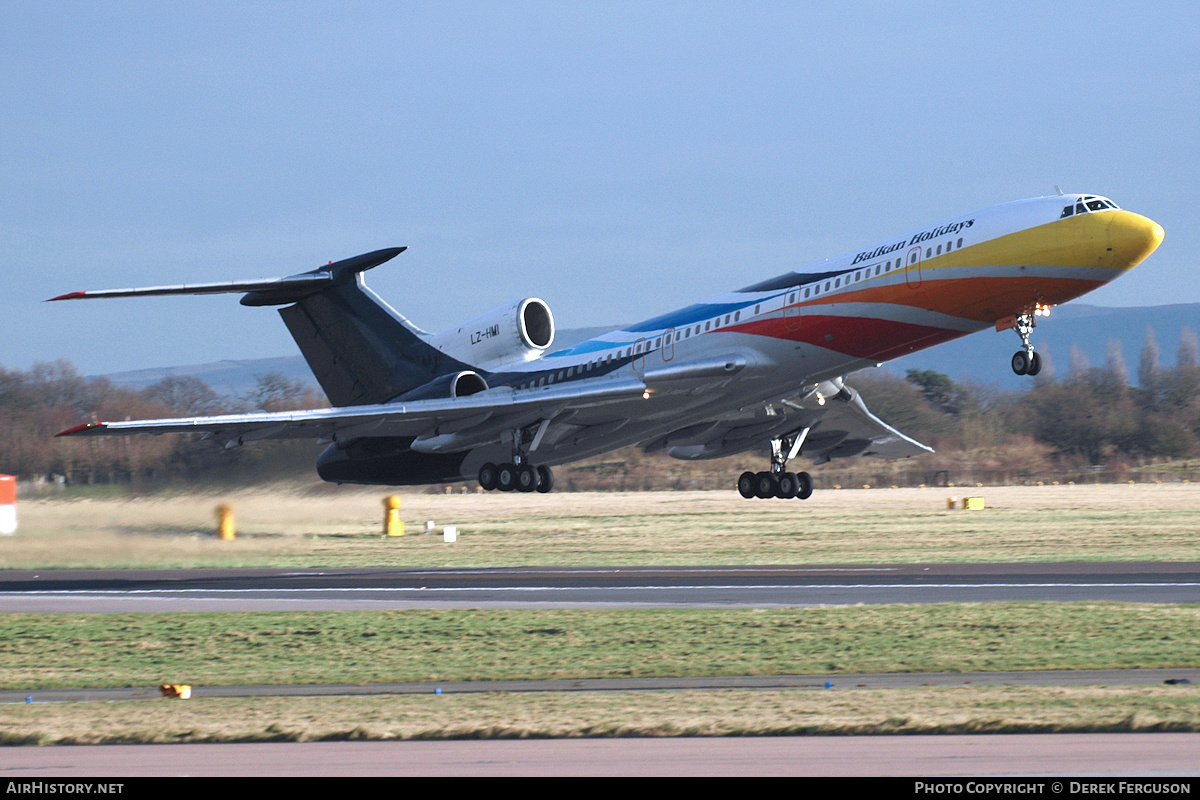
x,y
92,650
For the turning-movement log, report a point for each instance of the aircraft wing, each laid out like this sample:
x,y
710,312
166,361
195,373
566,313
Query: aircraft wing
x,y
437,424
838,424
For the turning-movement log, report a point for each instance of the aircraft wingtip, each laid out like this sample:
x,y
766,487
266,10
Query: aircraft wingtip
x,y
68,296
79,428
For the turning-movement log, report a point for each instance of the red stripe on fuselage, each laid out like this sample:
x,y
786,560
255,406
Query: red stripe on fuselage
x,y
860,337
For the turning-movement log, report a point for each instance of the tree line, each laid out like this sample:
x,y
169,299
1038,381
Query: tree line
x,y
1089,418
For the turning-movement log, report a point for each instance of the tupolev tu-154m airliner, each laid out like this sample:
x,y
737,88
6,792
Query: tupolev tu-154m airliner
x,y
760,368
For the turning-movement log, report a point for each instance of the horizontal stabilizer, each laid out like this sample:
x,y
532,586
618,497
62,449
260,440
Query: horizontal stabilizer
x,y
268,291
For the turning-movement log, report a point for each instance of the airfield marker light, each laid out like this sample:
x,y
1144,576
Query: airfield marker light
x,y
429,526
225,529
450,533
392,524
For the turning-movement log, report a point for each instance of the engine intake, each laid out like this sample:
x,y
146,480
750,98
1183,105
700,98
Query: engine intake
x,y
456,384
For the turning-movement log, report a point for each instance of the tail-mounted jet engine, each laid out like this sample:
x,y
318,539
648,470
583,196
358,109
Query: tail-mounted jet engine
x,y
456,384
521,331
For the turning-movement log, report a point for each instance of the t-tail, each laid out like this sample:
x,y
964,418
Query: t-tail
x,y
360,349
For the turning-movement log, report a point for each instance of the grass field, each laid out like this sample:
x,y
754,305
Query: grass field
x,y
683,713
81,650
42,651
340,526
337,526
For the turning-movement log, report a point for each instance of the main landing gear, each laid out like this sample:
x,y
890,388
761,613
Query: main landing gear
x,y
519,476
1026,361
779,482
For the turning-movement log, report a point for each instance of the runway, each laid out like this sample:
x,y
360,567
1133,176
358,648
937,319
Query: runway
x,y
115,591
1167,757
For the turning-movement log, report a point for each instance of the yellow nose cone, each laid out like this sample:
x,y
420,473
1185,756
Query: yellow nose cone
x,y
1133,237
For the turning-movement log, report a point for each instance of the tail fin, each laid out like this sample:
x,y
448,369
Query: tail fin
x,y
360,350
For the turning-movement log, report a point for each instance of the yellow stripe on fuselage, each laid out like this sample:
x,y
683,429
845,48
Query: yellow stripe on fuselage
x,y
1114,239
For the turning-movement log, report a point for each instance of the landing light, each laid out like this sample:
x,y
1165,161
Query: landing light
x,y
1040,310
646,395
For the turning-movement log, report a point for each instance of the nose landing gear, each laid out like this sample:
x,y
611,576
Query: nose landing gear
x,y
1026,361
779,482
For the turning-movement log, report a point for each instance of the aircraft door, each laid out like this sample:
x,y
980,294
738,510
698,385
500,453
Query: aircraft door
x,y
791,309
912,269
668,346
639,354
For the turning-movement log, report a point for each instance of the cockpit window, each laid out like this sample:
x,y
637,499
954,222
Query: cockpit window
x,y
1079,209
1096,205
1068,211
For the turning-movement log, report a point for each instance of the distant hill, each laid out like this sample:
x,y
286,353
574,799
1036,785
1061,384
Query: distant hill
x,y
981,358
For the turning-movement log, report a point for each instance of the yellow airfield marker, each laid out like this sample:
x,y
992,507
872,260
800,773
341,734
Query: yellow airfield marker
x,y
392,524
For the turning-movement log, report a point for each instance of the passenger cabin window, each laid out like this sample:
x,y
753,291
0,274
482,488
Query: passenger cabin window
x,y
959,243
939,250
737,315
757,309
806,291
827,286
877,268
726,319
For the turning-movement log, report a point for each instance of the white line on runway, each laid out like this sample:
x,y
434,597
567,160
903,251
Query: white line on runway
x,y
632,587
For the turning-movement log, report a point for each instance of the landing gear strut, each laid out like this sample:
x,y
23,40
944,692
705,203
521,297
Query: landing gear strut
x,y
779,482
518,475
1026,361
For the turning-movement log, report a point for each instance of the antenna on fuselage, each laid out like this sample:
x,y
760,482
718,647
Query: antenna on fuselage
x,y
1060,192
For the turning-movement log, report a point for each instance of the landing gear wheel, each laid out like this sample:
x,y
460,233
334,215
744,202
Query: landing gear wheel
x,y
765,485
1035,364
806,486
545,479
506,477
1021,362
746,485
487,476
527,478
789,486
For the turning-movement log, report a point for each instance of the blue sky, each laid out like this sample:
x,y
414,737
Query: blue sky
x,y
617,160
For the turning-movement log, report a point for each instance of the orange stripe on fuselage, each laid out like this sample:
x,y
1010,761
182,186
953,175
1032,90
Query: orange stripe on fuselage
x,y
982,299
